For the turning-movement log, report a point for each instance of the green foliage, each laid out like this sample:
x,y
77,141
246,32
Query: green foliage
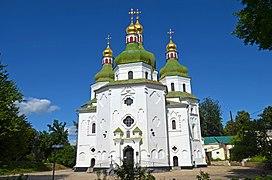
x,y
14,167
15,132
58,133
128,172
258,158
66,156
210,118
252,138
232,128
254,24
203,176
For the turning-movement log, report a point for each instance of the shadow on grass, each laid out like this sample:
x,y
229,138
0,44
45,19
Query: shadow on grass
x,y
247,173
34,177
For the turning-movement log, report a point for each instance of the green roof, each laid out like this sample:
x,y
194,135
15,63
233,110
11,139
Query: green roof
x,y
137,130
106,74
118,130
135,52
217,139
91,101
88,106
173,68
174,103
133,81
177,94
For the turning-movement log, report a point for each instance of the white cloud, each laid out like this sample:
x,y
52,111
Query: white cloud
x,y
71,130
73,142
35,105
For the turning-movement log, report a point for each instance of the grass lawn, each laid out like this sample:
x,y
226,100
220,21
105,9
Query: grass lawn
x,y
14,167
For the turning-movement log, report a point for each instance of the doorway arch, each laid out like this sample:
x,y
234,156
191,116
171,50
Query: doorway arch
x,y
128,155
175,161
92,162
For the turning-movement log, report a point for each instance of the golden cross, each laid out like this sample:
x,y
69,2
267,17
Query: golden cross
x,y
108,38
137,12
170,32
131,12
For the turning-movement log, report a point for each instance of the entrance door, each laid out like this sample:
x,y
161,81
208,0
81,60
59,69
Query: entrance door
x,y
175,161
128,155
92,162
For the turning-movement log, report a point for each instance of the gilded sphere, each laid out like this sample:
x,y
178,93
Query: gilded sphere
x,y
138,27
107,51
171,46
131,29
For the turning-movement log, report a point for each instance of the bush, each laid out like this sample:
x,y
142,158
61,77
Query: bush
x,y
203,176
261,159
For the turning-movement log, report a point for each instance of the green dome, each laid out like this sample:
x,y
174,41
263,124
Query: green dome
x,y
135,53
173,68
105,74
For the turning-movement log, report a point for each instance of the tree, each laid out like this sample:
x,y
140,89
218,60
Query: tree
x,y
58,133
264,124
232,128
15,132
254,23
210,118
252,138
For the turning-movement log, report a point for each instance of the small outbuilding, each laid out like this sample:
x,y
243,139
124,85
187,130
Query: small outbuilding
x,y
217,147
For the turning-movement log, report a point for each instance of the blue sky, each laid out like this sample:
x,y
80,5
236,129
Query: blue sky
x,y
53,49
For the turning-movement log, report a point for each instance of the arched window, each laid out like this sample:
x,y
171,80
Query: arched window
x,y
146,75
184,87
131,39
130,75
172,87
93,128
174,124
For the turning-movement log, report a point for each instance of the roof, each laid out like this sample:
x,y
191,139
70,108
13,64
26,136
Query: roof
x,y
173,68
137,130
105,74
217,139
118,130
132,81
135,52
177,94
88,106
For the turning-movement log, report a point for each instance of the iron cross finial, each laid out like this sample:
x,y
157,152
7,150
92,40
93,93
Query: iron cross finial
x,y
170,32
131,12
137,12
108,38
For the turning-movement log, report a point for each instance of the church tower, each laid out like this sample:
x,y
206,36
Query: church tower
x,y
134,116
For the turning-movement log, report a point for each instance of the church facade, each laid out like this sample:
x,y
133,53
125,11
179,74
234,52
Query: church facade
x,y
136,114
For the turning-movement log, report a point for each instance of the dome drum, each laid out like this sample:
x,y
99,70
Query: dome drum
x,y
171,55
131,38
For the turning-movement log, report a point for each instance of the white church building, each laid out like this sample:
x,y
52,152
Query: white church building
x,y
138,115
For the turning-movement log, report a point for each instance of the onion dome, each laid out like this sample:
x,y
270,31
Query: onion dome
x,y
107,51
173,68
139,27
171,46
131,29
133,53
106,74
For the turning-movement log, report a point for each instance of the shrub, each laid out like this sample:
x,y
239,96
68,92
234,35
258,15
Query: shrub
x,y
258,159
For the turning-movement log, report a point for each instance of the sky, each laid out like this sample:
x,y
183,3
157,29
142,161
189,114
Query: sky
x,y
53,50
